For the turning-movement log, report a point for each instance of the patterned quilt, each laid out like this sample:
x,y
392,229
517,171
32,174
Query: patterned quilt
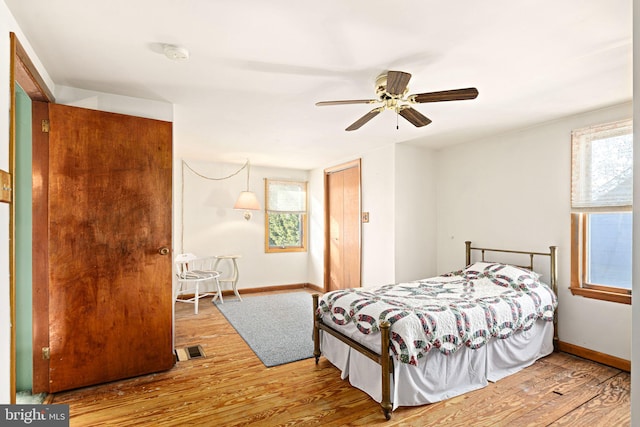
x,y
462,308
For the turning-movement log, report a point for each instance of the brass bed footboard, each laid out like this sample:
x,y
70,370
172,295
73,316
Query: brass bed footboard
x,y
383,359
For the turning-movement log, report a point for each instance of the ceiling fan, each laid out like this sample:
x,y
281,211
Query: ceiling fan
x,y
391,92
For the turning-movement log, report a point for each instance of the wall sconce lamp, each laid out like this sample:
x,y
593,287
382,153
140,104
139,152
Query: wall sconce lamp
x,y
247,200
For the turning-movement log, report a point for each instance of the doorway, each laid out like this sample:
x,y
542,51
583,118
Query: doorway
x,y
343,260
23,242
26,85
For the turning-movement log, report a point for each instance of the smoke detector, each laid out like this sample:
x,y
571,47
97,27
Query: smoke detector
x,y
175,53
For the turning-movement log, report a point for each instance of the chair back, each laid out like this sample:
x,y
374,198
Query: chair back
x,y
182,264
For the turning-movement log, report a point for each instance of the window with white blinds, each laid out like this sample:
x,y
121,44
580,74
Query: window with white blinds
x,y
601,218
286,196
602,167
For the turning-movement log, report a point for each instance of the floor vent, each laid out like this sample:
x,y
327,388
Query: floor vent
x,y
191,352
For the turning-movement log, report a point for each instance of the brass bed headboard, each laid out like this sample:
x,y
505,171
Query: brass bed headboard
x,y
552,254
553,271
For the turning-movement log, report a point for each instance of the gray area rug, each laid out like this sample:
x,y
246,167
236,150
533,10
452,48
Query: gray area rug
x,y
277,327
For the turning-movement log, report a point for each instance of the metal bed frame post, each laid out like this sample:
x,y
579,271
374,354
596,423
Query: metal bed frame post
x,y
316,331
553,253
383,359
385,366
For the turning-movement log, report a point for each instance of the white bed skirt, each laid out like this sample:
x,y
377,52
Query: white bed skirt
x,y
438,377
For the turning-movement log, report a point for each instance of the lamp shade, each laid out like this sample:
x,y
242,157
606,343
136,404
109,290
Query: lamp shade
x,y
247,200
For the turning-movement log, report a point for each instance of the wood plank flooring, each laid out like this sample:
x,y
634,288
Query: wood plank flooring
x,y
231,387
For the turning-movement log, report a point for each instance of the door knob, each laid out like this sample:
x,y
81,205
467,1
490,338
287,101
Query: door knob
x,y
163,251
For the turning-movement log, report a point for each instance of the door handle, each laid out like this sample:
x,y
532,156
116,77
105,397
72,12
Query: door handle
x,y
163,250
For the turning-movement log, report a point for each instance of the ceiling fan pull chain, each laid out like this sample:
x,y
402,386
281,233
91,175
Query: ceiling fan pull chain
x,y
397,120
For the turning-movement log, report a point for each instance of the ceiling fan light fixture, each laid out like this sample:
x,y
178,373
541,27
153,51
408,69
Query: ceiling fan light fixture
x,y
391,91
175,53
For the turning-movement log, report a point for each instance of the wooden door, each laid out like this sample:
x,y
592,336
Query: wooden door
x,y
109,281
343,261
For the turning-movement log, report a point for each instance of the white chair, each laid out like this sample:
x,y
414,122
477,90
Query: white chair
x,y
209,265
190,278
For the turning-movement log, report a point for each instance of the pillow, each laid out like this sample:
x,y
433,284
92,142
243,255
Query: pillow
x,y
502,274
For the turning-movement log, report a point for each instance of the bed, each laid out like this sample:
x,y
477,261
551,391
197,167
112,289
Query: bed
x,y
421,342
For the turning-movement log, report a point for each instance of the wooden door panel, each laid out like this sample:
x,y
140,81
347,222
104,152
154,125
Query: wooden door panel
x,y
351,227
110,292
343,222
336,209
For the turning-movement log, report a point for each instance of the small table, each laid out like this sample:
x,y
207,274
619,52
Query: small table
x,y
233,279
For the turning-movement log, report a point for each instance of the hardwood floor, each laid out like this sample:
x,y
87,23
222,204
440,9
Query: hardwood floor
x,y
231,387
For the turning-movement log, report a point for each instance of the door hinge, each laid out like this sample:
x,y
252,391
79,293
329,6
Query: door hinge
x,y
45,126
46,353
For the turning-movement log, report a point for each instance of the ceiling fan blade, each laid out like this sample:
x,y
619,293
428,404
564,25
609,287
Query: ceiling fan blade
x,y
445,95
414,117
348,101
364,119
397,82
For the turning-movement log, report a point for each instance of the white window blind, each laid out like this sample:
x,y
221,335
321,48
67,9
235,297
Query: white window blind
x,y
286,196
602,167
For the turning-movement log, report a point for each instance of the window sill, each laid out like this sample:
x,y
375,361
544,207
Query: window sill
x,y
601,295
282,250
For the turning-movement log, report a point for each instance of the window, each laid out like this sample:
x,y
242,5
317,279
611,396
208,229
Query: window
x,y
601,218
286,216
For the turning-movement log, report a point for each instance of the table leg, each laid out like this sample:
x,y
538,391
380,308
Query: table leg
x,y
219,293
235,276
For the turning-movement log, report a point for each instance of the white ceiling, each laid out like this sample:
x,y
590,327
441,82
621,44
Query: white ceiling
x,y
257,67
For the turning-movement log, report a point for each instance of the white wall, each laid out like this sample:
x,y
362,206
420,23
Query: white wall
x,y
5,318
114,103
211,226
415,219
378,235
512,191
315,262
